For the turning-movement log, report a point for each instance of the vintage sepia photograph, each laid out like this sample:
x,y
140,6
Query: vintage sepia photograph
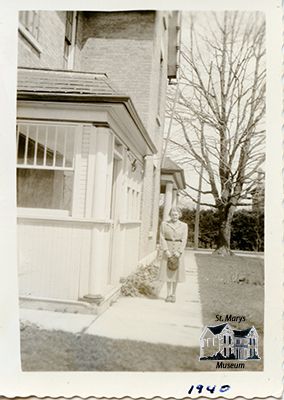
x,y
142,228
140,190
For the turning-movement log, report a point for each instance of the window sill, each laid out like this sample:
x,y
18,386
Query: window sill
x,y
29,37
55,215
130,222
42,213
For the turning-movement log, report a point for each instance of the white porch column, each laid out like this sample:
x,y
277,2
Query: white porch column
x,y
102,174
168,200
174,202
100,239
99,259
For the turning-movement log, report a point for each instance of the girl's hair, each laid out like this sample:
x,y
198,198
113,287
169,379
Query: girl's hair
x,y
176,209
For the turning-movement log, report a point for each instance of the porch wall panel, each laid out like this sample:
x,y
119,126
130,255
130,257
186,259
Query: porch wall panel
x,y
55,258
131,249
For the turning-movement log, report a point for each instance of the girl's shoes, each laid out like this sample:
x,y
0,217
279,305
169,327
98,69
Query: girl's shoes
x,y
170,299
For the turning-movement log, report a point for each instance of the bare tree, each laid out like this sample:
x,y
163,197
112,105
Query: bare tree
x,y
220,109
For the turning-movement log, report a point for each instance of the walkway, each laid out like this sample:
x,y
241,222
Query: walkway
x,y
139,319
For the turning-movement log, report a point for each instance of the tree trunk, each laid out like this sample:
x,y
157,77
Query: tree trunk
x,y
224,235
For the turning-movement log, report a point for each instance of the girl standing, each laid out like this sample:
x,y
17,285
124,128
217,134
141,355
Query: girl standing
x,y
173,239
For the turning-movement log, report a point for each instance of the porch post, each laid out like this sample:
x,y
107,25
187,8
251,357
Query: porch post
x,y
100,238
174,204
102,175
168,200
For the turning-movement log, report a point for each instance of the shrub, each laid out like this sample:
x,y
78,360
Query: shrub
x,y
142,282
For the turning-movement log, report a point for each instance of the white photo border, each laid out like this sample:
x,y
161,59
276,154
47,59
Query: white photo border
x,y
247,384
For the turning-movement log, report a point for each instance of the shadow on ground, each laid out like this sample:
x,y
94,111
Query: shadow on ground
x,y
44,350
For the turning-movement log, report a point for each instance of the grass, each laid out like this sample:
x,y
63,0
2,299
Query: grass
x,y
44,350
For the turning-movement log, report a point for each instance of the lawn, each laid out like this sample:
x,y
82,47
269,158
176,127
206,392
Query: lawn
x,y
232,285
44,350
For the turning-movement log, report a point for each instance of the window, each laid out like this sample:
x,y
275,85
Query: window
x,y
160,89
68,55
133,191
225,339
45,165
153,196
225,352
30,21
133,204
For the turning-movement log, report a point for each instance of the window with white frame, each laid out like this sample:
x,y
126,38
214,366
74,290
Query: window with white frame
x,y
45,165
133,193
153,197
30,21
160,89
69,40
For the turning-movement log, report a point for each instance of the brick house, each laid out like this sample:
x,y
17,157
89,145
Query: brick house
x,y
91,100
229,343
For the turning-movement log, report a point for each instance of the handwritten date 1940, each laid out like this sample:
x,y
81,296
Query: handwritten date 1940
x,y
211,389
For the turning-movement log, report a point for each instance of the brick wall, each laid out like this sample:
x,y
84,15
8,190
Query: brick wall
x,y
156,101
121,45
51,39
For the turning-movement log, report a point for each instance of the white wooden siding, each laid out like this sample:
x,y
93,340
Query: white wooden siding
x,y
57,259
131,247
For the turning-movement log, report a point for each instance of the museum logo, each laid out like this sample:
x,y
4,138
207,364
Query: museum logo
x,y
222,342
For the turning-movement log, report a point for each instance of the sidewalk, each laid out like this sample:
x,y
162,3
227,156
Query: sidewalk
x,y
140,319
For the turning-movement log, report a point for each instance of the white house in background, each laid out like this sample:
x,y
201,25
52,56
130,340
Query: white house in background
x,y
172,180
91,99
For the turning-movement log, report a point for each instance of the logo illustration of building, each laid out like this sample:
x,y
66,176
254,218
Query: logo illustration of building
x,y
221,342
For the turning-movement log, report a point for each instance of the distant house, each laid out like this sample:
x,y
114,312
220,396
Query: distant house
x,y
258,192
90,122
172,180
221,341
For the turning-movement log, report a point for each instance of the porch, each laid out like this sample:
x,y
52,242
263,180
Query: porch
x,y
80,160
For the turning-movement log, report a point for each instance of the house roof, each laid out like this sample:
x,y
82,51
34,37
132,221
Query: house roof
x,y
78,87
169,164
171,168
242,333
58,81
217,329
